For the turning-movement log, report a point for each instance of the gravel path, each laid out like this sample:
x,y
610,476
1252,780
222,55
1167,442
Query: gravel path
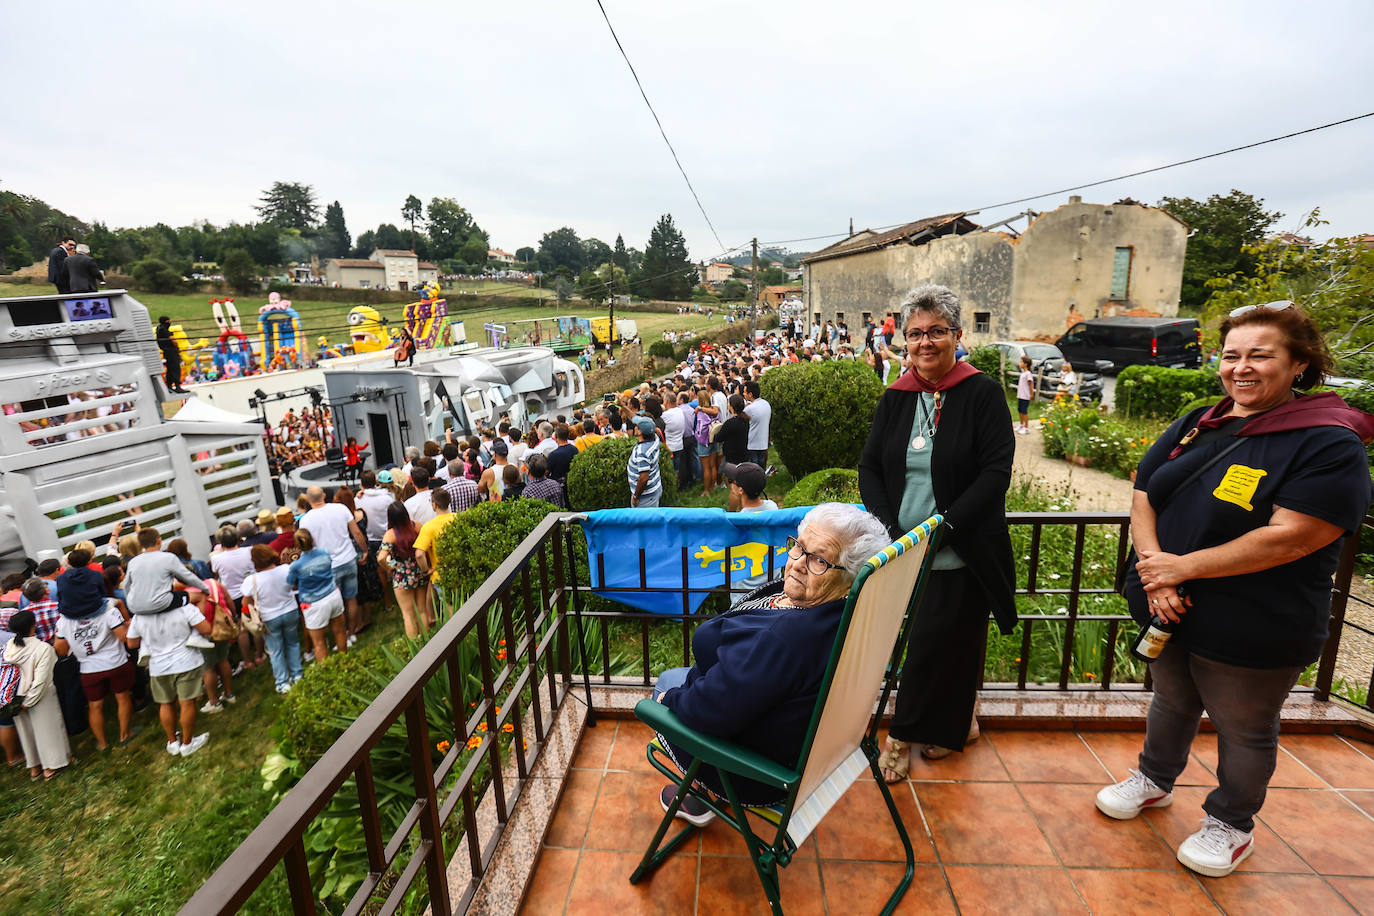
x,y
1094,490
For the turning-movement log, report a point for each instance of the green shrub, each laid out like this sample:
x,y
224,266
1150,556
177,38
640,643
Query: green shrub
x,y
1154,391
987,360
320,707
156,276
1076,429
831,485
1196,403
821,413
480,539
662,348
597,477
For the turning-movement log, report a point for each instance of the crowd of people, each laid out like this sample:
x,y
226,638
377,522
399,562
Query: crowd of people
x,y
300,438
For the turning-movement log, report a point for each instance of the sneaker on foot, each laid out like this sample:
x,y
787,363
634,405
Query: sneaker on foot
x,y
307,658
238,669
1129,797
230,698
194,744
1216,849
174,748
692,810
351,640
284,688
196,641
211,708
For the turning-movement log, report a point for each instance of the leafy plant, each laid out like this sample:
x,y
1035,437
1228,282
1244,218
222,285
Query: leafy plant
x,y
987,360
597,477
662,348
471,547
821,413
831,485
1154,391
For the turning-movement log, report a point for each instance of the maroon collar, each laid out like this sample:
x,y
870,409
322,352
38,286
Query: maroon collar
x,y
1306,411
911,380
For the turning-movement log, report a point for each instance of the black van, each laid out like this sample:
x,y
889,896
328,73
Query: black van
x,y
1112,344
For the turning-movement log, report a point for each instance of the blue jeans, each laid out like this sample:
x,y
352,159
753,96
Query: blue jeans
x,y
284,648
669,679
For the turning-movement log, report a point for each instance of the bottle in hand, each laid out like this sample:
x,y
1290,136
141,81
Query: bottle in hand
x,y
1154,636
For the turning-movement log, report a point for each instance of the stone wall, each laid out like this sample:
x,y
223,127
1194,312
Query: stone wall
x,y
628,370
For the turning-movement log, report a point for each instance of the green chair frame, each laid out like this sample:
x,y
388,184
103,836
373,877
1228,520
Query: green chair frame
x,y
729,759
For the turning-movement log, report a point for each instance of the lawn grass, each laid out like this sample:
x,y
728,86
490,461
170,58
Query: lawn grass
x,y
134,830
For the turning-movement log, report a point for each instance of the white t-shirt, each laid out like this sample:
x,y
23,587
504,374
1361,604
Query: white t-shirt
x,y
545,446
722,404
442,473
374,504
420,506
328,525
674,426
274,597
760,414
164,635
231,566
92,639
517,453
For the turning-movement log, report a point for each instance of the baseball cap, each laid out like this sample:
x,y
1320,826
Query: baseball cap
x,y
499,447
384,477
645,424
750,477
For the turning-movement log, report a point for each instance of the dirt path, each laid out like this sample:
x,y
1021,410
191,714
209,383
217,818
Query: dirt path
x,y
1095,490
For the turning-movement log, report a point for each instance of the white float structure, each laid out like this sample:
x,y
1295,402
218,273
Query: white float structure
x,y
84,443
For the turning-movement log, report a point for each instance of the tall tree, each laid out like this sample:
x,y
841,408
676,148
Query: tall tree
x,y
239,270
1224,226
450,225
597,253
561,249
411,211
334,239
290,205
620,257
668,272
524,254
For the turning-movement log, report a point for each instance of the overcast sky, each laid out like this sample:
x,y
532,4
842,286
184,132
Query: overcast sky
x,y
790,118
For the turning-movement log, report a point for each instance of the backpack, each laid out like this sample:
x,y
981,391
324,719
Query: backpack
x,y
11,703
702,427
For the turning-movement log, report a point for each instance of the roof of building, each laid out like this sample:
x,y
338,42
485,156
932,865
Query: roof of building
x,y
427,265
911,233
782,289
394,253
355,262
498,251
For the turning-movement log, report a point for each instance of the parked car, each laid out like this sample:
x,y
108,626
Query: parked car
x,y
1047,362
1112,344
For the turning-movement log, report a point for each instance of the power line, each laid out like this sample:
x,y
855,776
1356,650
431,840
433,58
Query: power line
x,y
1094,184
661,131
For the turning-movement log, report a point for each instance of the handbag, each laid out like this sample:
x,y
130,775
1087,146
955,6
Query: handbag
x,y
251,620
223,626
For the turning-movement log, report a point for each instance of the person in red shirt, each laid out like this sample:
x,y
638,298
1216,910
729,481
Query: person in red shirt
x,y
286,528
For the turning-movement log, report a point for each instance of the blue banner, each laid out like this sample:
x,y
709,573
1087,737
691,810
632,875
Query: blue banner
x,y
615,538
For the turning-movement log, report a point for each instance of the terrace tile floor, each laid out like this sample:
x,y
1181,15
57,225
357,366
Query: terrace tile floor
x,y
1008,827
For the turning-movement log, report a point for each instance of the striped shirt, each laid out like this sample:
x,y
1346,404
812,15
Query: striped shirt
x,y
462,492
44,618
644,459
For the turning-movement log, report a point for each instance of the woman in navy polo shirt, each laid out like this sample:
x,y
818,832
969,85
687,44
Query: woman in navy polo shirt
x,y
1240,558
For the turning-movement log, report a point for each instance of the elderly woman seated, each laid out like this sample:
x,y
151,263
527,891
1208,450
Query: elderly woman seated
x,y
759,665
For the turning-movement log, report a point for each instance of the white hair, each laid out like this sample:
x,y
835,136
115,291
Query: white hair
x,y
412,452
83,249
931,298
859,533
545,429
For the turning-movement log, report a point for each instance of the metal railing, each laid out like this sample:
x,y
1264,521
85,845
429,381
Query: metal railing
x,y
535,598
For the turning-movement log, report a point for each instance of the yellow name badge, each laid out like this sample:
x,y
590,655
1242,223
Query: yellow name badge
x,y
1239,485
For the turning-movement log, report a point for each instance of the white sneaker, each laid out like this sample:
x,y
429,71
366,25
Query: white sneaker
x,y
230,698
307,658
284,688
1021,430
1216,849
194,745
196,641
1129,797
174,748
352,640
211,708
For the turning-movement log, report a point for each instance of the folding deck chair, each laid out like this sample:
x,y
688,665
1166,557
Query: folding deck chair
x,y
840,741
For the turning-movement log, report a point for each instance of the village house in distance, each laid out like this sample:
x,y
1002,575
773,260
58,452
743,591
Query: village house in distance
x,y
385,268
1077,261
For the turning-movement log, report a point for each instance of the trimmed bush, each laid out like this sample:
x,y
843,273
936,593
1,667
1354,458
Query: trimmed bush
x,y
597,477
831,485
1195,404
471,547
821,413
318,709
1154,391
987,360
662,348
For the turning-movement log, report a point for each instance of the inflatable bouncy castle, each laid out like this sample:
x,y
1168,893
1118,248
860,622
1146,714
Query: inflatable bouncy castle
x,y
424,319
367,330
279,327
233,356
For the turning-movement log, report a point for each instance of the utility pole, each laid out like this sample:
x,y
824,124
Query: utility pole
x,y
754,277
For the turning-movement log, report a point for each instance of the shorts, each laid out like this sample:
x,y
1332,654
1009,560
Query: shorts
x,y
1023,405
346,579
99,684
171,688
179,598
220,653
703,450
317,614
715,448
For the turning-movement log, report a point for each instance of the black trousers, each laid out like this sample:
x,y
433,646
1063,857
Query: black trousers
x,y
944,660
173,364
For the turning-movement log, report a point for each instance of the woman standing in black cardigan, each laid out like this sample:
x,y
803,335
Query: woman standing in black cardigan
x,y
942,441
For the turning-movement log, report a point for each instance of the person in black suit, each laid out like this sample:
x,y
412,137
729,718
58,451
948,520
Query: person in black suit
x,y
83,274
171,354
57,274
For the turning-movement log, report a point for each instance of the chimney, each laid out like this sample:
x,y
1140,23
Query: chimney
x,y
1075,198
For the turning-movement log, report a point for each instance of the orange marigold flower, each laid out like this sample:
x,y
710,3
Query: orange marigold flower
x,y
502,642
481,726
474,742
501,656
508,728
442,747
1090,674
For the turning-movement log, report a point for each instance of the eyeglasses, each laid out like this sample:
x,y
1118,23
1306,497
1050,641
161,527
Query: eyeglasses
x,y
1278,306
816,565
935,334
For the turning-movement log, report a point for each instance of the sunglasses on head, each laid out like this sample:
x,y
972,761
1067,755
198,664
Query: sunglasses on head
x,y
1278,306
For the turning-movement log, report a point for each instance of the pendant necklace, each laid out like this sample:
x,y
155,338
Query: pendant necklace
x,y
926,424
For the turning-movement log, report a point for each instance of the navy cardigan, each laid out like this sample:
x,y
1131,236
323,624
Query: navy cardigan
x,y
970,464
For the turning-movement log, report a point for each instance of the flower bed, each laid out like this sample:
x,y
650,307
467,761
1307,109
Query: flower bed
x,y
1078,432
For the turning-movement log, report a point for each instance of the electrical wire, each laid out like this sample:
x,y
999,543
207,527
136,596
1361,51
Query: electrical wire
x,y
661,131
1094,184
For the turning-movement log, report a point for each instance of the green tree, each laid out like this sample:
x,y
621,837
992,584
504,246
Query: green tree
x,y
734,290
474,252
617,282
592,288
290,204
240,272
411,211
563,289
1223,228
524,254
668,272
156,276
595,252
450,225
620,257
365,245
561,248
334,241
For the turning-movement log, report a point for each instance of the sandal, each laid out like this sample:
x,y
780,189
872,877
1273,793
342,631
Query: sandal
x,y
935,752
895,759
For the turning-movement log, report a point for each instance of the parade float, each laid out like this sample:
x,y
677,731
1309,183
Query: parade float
x,y
84,442
424,319
279,328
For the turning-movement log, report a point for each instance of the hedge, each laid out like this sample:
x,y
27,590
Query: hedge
x,y
481,538
831,485
662,348
821,413
1154,391
597,478
987,360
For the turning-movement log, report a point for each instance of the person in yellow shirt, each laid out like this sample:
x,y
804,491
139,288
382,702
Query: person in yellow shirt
x,y
590,438
429,531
